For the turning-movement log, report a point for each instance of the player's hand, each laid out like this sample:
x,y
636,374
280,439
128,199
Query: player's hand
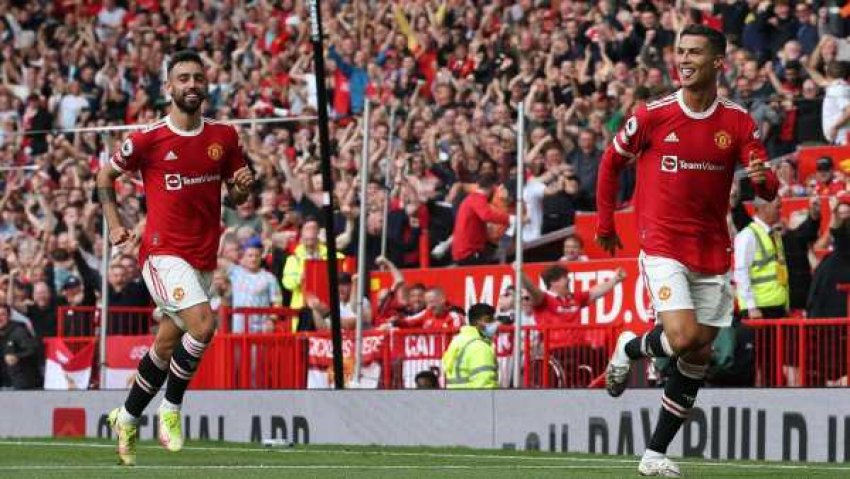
x,y
243,179
755,313
120,235
609,243
11,359
757,170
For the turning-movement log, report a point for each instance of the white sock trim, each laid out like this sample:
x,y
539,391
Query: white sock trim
x,y
650,454
124,417
167,405
665,345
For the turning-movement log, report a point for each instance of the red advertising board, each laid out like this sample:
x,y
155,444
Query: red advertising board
x,y
627,304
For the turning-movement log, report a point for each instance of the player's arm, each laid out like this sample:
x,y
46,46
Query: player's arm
x,y
754,157
105,184
241,179
624,147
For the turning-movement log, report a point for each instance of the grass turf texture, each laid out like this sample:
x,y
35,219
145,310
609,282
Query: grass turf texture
x,y
49,458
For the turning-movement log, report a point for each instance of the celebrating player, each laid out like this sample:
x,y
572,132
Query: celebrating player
x,y
183,160
685,147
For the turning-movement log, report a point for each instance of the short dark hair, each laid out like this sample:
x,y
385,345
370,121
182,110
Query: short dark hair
x,y
430,376
479,311
714,37
553,273
184,56
487,181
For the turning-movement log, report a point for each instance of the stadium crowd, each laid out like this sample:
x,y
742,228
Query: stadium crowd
x,y
449,73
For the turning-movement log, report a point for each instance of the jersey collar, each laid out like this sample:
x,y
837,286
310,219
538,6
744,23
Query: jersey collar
x,y
177,131
702,115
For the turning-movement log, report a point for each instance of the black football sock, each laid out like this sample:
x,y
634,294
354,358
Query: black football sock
x,y
149,378
680,393
184,363
652,344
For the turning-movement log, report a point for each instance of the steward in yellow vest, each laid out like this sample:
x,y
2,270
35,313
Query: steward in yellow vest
x,y
470,361
761,274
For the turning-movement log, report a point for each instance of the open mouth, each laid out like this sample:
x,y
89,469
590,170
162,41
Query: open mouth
x,y
192,97
687,73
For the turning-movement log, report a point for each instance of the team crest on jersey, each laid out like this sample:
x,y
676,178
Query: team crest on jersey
x,y
215,151
722,139
178,293
664,293
127,148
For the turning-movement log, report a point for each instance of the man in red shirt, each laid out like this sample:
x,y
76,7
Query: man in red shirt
x,y
558,306
469,244
183,160
685,148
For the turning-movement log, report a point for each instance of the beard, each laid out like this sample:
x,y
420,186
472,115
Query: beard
x,y
189,107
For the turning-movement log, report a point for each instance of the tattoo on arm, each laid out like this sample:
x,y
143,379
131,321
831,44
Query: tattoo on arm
x,y
106,195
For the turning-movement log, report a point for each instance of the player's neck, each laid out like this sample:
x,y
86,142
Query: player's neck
x,y
185,121
700,100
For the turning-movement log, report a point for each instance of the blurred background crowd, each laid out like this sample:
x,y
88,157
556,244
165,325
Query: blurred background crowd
x,y
449,73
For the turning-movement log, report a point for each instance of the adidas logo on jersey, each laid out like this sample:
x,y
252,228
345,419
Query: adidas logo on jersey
x,y
671,138
171,156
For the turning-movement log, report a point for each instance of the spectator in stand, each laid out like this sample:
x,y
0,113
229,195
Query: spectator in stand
x,y
825,301
253,287
349,305
438,314
825,180
469,246
19,349
836,102
563,198
427,380
585,159
308,248
558,306
789,185
573,249
41,310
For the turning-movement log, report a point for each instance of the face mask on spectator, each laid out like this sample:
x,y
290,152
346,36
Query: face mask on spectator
x,y
490,329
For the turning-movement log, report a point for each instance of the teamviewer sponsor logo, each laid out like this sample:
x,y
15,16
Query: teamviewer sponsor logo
x,y
701,166
173,181
669,163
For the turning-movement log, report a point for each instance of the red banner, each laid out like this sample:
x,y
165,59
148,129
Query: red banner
x,y
627,304
122,359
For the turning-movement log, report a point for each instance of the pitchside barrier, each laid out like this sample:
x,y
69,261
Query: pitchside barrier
x,y
770,353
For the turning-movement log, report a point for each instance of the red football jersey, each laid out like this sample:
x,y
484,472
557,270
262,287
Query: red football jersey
x,y
182,173
556,311
685,165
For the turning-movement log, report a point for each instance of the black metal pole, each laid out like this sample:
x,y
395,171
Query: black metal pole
x,y
327,186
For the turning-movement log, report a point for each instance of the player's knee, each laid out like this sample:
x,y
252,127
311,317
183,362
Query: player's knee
x,y
205,328
164,349
683,342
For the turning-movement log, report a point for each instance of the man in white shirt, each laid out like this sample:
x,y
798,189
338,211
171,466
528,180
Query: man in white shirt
x,y
761,276
836,105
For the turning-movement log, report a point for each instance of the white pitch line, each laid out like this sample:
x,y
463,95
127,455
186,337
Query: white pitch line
x,y
304,467
768,465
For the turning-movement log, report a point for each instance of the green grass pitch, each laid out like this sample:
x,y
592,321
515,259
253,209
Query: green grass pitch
x,y
51,458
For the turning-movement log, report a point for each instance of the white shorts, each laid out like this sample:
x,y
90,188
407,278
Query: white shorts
x,y
175,285
673,286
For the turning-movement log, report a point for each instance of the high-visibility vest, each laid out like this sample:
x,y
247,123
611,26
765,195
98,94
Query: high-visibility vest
x,y
768,272
470,361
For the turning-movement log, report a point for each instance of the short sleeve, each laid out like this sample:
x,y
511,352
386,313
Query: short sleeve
x,y
751,141
130,157
235,156
634,136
